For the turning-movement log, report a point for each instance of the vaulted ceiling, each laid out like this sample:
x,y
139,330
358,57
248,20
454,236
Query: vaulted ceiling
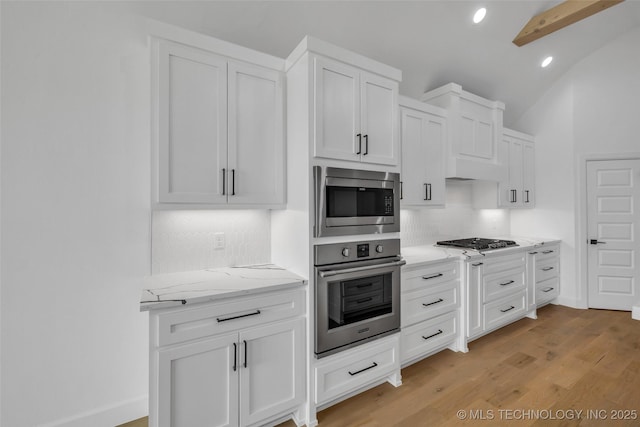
x,y
432,42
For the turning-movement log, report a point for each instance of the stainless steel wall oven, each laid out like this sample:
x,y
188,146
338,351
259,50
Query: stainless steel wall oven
x,y
357,293
351,201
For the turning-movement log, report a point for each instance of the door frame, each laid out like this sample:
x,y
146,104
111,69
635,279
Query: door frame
x,y
582,220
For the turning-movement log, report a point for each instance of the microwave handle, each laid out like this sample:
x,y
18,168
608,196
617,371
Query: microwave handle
x,y
328,273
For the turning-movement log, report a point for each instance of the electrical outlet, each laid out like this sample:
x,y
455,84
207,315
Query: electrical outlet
x,y
218,241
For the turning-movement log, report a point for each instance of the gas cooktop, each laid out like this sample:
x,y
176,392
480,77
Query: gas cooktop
x,y
477,243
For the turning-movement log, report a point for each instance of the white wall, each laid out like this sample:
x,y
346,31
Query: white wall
x,y
459,219
75,214
592,109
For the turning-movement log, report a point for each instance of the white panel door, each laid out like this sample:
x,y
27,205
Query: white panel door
x,y
613,210
198,384
256,136
379,109
272,370
192,125
528,175
423,181
337,111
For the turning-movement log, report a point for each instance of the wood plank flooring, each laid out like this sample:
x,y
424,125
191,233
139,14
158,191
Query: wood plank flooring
x,y
530,373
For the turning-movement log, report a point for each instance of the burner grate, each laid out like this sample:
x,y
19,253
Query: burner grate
x,y
477,243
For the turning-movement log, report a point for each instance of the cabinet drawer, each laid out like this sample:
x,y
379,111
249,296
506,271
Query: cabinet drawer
x,y
352,369
546,252
547,290
427,336
501,263
504,311
429,276
547,269
426,303
503,283
223,316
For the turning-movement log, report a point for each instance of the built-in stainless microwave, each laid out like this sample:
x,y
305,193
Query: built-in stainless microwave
x,y
351,202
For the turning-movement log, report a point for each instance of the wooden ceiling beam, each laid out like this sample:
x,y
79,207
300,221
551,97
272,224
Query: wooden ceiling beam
x,y
560,16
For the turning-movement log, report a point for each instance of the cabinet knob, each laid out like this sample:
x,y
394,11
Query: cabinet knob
x,y
345,252
379,249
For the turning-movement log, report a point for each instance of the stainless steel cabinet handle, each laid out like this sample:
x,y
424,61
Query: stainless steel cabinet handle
x,y
362,370
433,335
226,319
328,273
507,283
508,309
432,303
432,277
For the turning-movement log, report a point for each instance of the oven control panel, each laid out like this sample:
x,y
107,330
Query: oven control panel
x,y
333,253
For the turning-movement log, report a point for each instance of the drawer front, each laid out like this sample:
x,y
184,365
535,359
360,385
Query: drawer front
x,y
547,290
503,283
503,311
497,264
224,316
547,269
354,368
430,302
428,336
546,252
429,276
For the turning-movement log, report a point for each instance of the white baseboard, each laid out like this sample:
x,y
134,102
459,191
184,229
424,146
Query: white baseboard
x,y
635,312
107,416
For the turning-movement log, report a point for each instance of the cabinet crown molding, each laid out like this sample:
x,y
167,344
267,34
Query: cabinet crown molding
x,y
312,44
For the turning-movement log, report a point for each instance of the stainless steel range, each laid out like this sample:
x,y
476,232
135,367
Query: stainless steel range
x,y
477,243
357,293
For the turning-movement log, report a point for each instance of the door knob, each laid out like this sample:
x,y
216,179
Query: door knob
x,y
595,242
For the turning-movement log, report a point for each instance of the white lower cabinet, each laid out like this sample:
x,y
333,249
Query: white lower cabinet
x,y
496,292
246,377
430,309
351,370
543,264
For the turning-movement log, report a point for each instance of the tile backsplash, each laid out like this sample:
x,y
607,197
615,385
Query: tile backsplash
x,y
458,220
184,240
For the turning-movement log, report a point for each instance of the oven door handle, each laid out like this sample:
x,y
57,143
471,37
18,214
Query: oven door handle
x,y
329,273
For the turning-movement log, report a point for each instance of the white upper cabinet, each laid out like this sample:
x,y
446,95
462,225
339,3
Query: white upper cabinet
x,y
355,114
423,137
517,151
475,127
219,130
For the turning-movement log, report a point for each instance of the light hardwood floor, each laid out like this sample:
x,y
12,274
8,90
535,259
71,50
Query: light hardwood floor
x,y
530,373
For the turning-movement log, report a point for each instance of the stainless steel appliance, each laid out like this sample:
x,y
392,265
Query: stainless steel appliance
x,y
357,293
477,243
351,201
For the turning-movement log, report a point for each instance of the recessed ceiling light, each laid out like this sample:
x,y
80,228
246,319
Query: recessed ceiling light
x,y
546,61
479,15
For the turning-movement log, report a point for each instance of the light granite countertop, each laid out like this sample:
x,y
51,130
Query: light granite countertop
x,y
431,253
189,287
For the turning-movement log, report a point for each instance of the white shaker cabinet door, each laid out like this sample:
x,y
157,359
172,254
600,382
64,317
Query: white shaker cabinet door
x,y
256,142
528,175
379,112
272,370
198,384
337,111
192,125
